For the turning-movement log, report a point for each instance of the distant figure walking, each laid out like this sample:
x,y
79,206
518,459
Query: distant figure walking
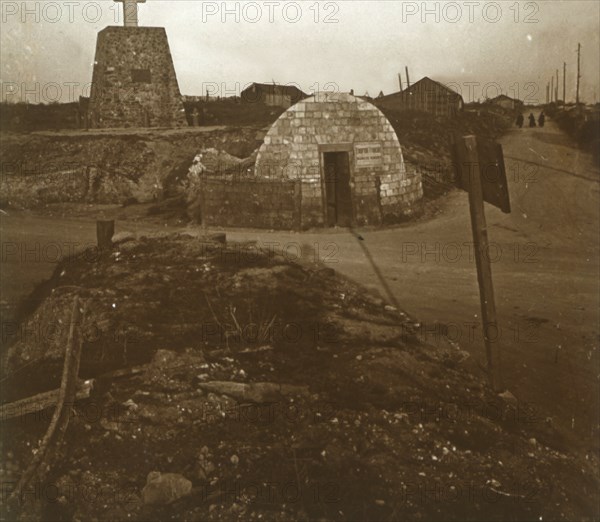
x,y
520,121
531,120
542,119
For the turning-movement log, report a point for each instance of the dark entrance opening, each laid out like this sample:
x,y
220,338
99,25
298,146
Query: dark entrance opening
x,y
337,188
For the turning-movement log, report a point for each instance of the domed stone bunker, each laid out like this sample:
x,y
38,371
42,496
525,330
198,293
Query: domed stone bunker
x,y
346,158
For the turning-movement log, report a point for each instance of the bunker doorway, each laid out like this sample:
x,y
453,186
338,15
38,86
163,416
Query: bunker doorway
x,y
338,195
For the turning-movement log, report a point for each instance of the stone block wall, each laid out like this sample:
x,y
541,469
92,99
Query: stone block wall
x,y
250,203
134,82
401,198
295,204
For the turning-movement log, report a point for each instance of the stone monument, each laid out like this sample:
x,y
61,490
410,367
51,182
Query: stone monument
x,y
134,82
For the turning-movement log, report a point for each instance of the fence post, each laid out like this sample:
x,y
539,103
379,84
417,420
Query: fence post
x,y
203,212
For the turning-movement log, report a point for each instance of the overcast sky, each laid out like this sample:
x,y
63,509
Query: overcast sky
x,y
479,47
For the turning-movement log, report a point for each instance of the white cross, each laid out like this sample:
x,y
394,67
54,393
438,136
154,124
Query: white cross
x,y
130,12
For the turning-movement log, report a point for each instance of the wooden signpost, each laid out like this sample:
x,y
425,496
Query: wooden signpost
x,y
481,172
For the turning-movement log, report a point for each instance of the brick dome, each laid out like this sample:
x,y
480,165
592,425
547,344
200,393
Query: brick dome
x,y
347,159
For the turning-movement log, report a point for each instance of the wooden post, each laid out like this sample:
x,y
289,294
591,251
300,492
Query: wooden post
x,y
564,83
104,233
60,419
203,212
482,260
298,202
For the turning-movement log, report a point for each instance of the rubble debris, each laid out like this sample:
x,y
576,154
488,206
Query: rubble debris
x,y
253,392
165,488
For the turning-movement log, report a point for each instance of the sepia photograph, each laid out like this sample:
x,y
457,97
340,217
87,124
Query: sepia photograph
x,y
299,261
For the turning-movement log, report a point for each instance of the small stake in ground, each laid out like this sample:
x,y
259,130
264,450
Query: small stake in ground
x,y
481,172
104,234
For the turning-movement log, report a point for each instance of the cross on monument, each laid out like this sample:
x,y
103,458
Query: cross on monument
x,y
130,12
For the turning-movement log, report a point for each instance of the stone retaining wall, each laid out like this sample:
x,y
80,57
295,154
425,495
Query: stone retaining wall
x,y
291,205
254,204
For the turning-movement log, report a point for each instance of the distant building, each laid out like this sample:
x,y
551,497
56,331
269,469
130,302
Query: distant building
x,y
201,99
506,102
426,95
272,94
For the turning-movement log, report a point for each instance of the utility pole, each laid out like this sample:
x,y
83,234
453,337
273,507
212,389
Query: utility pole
x,y
564,83
578,72
556,97
552,90
547,93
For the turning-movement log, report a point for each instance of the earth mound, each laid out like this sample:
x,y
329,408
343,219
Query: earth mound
x,y
278,389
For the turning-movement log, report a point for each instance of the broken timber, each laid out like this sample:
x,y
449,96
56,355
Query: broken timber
x,y
42,401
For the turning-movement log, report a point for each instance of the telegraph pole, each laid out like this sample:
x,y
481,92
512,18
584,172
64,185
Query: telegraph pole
x,y
564,83
556,98
578,72
552,89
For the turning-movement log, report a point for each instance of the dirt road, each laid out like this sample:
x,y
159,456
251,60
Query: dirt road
x,y
545,266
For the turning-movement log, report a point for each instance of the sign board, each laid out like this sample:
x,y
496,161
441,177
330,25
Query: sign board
x,y
490,168
368,154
